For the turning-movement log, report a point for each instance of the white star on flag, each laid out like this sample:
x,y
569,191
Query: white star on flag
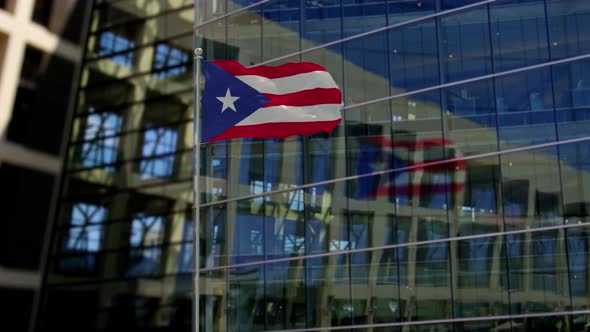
x,y
228,101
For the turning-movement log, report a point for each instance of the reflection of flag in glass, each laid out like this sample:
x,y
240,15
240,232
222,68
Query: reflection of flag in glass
x,y
428,175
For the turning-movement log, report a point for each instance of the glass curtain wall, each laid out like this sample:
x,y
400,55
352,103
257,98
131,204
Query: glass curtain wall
x,y
454,195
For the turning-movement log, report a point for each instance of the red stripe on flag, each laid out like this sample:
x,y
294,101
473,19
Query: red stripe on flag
x,y
277,129
288,69
306,98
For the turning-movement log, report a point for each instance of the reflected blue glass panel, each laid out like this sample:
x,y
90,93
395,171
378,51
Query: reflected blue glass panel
x,y
465,45
245,301
322,21
578,247
280,28
451,4
366,68
519,34
572,98
404,10
363,15
111,43
169,61
413,57
159,144
525,108
147,233
84,237
101,143
569,27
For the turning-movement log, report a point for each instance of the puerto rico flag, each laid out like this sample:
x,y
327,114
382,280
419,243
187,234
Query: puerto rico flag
x,y
268,102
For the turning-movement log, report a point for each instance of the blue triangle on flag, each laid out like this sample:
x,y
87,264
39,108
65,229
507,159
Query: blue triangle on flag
x,y
219,116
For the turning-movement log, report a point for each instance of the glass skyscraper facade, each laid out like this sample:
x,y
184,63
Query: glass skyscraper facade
x,y
454,195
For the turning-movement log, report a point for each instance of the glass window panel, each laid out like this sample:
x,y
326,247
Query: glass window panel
x,y
109,43
101,144
531,189
169,61
569,24
210,9
404,10
158,146
427,295
369,150
366,69
280,28
470,118
519,34
525,109
146,235
416,117
465,49
478,271
572,98
451,4
328,291
537,271
478,206
413,57
244,32
578,249
574,166
321,22
246,308
363,15
84,236
213,41
286,303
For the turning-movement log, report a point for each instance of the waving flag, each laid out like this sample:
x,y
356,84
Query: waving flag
x,y
268,102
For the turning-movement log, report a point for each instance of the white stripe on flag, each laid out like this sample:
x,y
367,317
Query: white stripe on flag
x,y
290,84
323,112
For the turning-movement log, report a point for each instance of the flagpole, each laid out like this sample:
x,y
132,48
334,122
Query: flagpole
x,y
196,192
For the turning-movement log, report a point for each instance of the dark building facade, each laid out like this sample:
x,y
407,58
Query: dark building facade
x,y
40,57
452,197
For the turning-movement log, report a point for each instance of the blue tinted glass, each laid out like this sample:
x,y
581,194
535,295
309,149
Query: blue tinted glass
x,y
101,143
465,45
280,28
519,34
450,4
525,108
471,117
572,98
86,231
112,43
169,61
363,15
321,22
158,147
569,26
404,10
146,235
413,57
366,68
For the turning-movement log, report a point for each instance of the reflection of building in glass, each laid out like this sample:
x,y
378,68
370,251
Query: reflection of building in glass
x,y
481,224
